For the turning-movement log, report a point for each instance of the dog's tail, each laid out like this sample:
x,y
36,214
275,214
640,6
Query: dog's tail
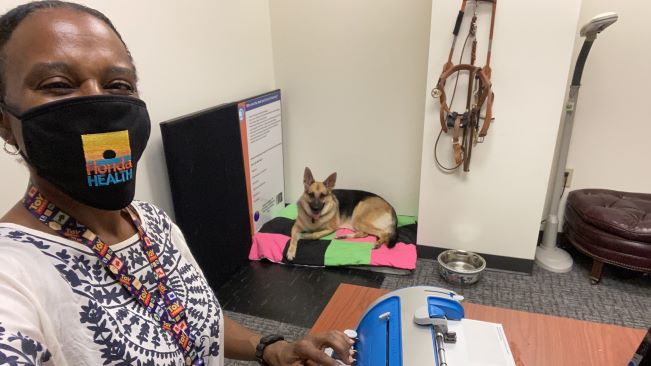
x,y
393,237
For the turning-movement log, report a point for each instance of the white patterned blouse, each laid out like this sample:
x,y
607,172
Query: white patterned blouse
x,y
59,305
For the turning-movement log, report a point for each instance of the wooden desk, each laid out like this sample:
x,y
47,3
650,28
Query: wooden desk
x,y
535,339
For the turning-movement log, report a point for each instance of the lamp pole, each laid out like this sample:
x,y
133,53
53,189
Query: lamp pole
x,y
548,255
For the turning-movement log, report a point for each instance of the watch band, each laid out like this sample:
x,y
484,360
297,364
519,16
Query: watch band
x,y
264,342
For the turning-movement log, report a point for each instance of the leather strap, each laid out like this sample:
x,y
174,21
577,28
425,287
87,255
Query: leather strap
x,y
456,144
487,66
489,115
469,139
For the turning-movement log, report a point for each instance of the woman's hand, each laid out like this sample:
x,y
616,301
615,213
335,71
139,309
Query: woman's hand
x,y
309,350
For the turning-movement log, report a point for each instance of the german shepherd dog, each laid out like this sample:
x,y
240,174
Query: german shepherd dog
x,y
322,210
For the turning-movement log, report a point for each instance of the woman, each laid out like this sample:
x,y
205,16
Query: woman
x,y
88,276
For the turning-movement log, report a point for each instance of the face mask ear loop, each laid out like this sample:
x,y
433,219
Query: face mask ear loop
x,y
6,108
4,146
10,110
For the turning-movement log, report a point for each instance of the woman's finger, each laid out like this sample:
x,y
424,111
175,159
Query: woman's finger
x,y
340,343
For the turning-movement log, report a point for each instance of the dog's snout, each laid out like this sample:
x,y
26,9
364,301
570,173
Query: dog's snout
x,y
316,205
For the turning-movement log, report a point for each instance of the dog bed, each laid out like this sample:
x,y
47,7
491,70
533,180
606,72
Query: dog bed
x,y
272,240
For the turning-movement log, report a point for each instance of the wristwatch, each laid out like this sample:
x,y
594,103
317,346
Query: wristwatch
x,y
264,342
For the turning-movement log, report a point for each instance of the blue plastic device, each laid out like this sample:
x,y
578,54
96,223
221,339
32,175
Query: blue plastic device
x,y
380,337
440,307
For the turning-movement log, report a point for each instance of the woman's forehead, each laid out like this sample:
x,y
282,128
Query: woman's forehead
x,y
63,35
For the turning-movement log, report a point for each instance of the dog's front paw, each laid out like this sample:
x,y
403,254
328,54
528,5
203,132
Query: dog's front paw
x,y
291,254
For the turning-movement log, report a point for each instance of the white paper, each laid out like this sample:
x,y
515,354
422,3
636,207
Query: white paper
x,y
478,344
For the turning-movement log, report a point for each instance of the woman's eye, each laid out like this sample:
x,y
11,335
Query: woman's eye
x,y
121,86
56,86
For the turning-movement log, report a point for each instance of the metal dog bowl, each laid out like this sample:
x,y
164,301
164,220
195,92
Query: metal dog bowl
x,y
460,267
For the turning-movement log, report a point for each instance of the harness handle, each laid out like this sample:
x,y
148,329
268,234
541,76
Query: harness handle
x,y
487,67
457,27
455,32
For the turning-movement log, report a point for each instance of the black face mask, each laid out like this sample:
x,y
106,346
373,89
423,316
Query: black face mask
x,y
88,147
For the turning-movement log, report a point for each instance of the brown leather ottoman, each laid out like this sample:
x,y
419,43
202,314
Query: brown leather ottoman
x,y
611,227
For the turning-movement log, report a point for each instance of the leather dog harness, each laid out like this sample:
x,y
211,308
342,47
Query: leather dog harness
x,y
479,93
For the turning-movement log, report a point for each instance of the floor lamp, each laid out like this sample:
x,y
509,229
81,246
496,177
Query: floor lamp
x,y
548,255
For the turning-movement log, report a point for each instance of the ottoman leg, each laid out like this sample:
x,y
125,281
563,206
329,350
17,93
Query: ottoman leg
x,y
595,274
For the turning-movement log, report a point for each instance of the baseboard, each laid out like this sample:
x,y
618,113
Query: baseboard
x,y
492,261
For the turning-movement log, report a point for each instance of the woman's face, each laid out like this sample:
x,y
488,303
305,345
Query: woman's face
x,y
61,53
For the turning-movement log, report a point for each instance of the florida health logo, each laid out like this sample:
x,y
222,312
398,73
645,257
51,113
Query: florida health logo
x,y
108,158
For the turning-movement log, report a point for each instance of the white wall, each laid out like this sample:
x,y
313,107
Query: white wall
x,y
495,208
190,55
352,75
610,141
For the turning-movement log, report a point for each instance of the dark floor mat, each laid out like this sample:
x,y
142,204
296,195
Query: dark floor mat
x,y
289,294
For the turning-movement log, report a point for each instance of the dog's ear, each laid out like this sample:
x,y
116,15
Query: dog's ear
x,y
308,178
330,181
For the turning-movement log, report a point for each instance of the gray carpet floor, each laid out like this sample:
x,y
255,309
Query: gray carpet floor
x,y
621,298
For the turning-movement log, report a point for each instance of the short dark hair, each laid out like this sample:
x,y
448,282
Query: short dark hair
x,y
11,19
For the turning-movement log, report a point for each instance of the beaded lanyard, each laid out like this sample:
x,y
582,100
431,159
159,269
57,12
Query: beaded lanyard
x,y
172,316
